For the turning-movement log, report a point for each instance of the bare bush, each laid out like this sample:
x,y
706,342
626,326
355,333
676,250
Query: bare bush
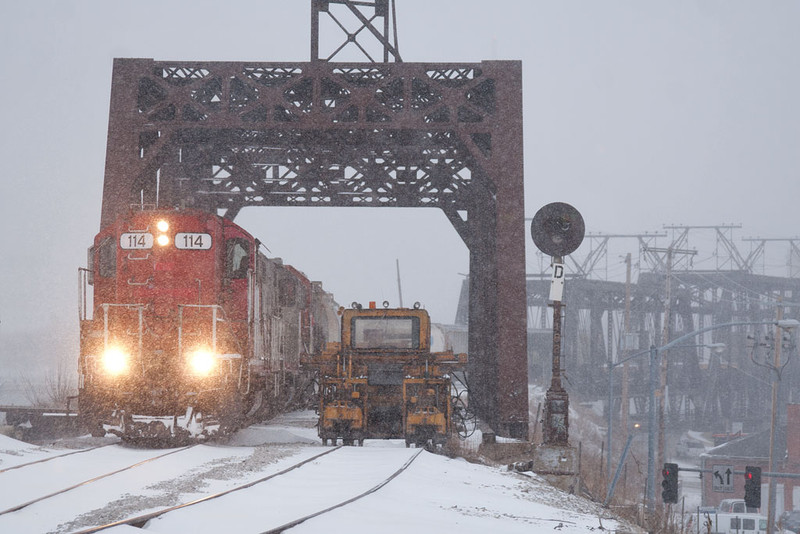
x,y
587,431
54,391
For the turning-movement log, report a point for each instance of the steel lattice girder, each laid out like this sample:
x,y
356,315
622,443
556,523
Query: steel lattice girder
x,y
699,298
225,135
333,168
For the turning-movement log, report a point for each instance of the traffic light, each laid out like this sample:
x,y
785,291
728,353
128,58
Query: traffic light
x,y
670,483
752,486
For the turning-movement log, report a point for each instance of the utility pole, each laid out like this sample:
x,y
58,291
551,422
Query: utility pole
x,y
626,349
664,340
775,385
662,393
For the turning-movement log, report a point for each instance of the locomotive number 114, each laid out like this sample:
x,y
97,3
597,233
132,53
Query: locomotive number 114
x,y
192,241
135,240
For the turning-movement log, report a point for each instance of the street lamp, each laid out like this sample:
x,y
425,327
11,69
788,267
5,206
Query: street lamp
x,y
775,385
610,493
716,347
655,364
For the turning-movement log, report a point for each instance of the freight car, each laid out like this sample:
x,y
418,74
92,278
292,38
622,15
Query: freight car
x,y
383,381
193,331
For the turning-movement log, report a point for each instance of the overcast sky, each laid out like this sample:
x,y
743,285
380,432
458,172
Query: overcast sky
x,y
639,114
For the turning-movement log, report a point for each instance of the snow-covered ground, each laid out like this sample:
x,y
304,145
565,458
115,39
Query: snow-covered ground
x,y
436,494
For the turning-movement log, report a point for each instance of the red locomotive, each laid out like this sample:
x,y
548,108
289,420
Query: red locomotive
x,y
193,330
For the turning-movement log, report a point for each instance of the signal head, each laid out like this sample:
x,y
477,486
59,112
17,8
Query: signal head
x,y
557,229
670,483
752,486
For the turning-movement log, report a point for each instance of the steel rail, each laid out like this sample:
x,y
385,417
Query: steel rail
x,y
95,479
139,521
370,491
42,460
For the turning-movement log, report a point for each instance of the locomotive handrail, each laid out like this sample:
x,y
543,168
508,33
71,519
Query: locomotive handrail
x,y
139,308
231,334
83,278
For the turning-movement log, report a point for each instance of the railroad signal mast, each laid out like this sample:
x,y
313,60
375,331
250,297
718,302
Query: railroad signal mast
x,y
557,229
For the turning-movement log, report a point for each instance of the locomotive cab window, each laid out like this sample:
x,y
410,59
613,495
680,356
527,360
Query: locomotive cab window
x,y
238,254
107,258
385,333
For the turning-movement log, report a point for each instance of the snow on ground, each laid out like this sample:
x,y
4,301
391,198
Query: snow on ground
x,y
436,494
443,495
10,448
14,452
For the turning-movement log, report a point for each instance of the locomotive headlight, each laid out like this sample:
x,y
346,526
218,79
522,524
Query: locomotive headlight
x,y
115,361
202,362
162,239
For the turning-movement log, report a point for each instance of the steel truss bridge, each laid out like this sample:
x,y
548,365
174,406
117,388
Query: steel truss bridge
x,y
706,389
221,136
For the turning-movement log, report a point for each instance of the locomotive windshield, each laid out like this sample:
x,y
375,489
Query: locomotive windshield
x,y
384,333
237,257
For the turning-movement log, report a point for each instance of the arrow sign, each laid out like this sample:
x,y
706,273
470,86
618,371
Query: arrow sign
x,y
722,481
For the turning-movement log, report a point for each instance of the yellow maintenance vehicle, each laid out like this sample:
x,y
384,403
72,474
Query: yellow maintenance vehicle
x,y
383,382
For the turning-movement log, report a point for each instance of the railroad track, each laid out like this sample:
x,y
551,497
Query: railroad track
x,y
81,483
54,457
288,487
370,491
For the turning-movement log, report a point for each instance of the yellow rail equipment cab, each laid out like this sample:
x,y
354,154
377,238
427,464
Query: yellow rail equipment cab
x,y
383,382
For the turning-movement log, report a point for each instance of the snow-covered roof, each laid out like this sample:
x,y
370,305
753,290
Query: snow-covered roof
x,y
751,446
